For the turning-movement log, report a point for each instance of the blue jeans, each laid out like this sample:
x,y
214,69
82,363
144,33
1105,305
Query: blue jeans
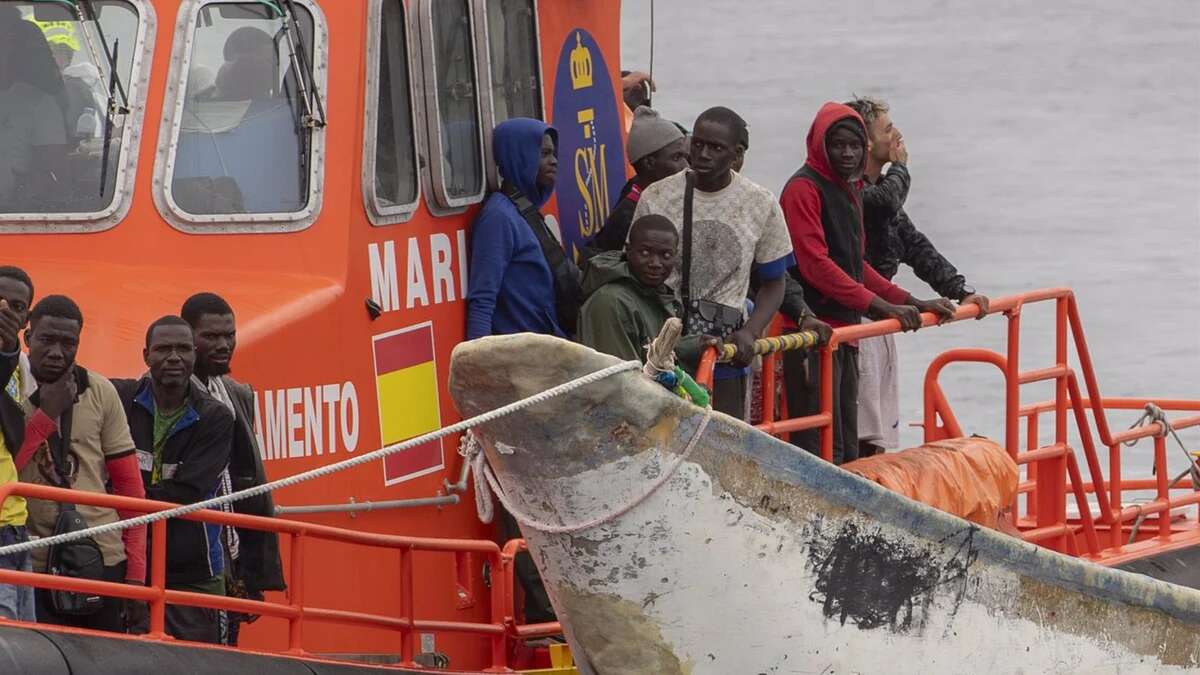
x,y
16,602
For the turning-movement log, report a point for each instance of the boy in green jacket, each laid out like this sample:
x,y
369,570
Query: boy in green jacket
x,y
628,300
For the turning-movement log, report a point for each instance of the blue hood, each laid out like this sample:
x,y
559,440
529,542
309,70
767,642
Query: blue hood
x,y
517,148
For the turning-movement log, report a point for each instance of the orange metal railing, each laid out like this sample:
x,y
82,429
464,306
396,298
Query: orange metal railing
x,y
501,628
1101,532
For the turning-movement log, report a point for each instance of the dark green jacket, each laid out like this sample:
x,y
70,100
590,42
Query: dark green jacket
x,y
621,315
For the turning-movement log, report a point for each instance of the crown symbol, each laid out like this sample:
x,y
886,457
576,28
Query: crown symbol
x,y
581,64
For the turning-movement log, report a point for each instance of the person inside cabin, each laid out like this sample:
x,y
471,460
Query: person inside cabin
x,y
628,299
83,444
893,239
32,129
520,278
239,144
737,231
85,90
824,216
656,148
253,555
184,438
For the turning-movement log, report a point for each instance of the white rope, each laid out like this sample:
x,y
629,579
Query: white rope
x,y
660,352
485,488
469,450
328,469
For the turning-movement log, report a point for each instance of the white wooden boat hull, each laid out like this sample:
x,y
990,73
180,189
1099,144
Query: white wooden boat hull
x,y
758,558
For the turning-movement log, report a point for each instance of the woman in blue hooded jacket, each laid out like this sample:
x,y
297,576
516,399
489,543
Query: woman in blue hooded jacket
x,y
511,288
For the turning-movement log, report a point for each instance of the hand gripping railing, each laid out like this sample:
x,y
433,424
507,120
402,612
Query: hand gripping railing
x,y
1052,470
294,609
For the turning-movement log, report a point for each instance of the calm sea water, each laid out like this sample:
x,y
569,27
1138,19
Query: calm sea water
x,y
1051,144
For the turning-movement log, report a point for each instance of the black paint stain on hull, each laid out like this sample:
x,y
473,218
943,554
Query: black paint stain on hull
x,y
873,581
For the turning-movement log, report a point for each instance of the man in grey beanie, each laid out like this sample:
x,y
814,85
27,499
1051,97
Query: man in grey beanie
x,y
656,148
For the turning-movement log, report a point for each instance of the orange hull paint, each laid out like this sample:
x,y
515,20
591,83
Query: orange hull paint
x,y
300,302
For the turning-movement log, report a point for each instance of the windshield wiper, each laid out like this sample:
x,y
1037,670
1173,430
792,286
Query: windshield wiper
x,y
301,64
113,81
85,11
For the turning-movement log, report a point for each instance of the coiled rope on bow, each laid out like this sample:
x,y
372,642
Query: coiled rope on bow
x,y
464,425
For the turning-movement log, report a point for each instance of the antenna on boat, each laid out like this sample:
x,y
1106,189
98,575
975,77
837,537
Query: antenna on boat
x,y
650,85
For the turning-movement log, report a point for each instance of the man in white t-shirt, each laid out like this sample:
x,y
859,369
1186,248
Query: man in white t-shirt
x,y
738,230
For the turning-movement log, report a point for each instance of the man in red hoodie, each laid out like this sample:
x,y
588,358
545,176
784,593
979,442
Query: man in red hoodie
x,y
823,208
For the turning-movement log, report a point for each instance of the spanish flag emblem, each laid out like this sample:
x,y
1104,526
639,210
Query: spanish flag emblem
x,y
406,382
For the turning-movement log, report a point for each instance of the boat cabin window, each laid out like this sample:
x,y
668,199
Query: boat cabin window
x,y
63,147
456,139
249,112
512,65
391,152
514,59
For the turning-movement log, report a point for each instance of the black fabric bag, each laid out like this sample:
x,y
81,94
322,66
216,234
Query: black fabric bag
x,y
81,558
701,317
568,280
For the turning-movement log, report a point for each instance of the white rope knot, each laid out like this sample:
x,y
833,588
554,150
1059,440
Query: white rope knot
x,y
472,453
660,353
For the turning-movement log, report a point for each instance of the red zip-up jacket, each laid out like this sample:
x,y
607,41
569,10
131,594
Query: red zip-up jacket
x,y
801,202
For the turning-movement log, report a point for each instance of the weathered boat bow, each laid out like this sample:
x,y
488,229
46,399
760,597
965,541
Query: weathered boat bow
x,y
758,558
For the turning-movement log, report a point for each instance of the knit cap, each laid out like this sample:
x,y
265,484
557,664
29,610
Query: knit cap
x,y
649,134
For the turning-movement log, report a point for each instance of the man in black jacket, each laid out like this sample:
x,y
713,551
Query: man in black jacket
x,y
255,554
893,239
183,436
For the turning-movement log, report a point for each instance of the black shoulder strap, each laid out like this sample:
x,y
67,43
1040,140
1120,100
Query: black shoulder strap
x,y
58,445
685,272
567,277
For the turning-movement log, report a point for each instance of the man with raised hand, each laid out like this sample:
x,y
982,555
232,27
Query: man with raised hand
x,y
88,448
893,239
16,602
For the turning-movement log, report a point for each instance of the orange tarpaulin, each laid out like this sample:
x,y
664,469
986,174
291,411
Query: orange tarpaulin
x,y
973,478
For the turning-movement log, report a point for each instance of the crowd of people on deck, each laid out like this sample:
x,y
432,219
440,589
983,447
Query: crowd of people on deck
x,y
691,237
182,433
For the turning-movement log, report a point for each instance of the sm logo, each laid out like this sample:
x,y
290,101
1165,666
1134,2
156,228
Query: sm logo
x,y
590,152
